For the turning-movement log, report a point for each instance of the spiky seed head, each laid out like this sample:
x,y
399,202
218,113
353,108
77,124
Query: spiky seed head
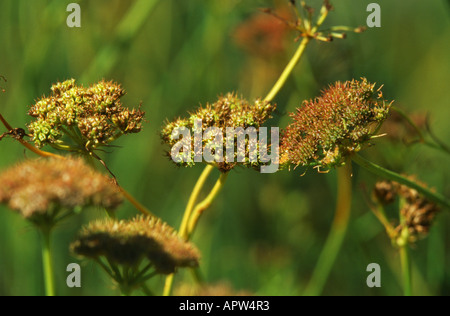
x,y
330,128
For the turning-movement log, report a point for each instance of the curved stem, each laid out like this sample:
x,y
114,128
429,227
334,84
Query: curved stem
x,y
47,263
187,214
296,58
287,71
390,175
183,232
337,232
141,208
29,146
206,203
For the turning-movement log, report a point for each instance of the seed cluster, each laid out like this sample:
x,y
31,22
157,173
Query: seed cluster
x,y
128,242
417,211
95,114
36,188
228,111
333,126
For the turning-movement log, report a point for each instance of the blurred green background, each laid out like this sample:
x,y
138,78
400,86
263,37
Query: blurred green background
x,y
265,231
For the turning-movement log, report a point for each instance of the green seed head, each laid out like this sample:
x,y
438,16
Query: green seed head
x,y
93,115
228,111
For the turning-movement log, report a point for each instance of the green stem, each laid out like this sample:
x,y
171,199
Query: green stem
x,y
168,285
381,215
205,204
183,232
47,263
187,214
287,71
337,232
406,270
390,175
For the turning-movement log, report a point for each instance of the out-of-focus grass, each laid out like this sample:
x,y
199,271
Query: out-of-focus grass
x,y
265,231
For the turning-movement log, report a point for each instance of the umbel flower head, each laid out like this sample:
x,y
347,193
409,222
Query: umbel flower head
x,y
333,126
41,189
228,111
92,116
128,242
417,211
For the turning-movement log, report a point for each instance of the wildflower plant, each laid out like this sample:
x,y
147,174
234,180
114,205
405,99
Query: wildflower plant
x,y
47,191
416,214
325,133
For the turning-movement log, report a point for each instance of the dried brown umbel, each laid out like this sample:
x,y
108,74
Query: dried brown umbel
x,y
418,217
46,189
90,117
330,128
385,192
129,242
416,211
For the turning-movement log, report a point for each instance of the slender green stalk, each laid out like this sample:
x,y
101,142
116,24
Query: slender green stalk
x,y
381,215
390,175
205,204
183,232
406,270
337,232
185,221
287,71
141,208
47,263
168,285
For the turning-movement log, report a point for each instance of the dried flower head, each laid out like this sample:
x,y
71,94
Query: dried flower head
x,y
128,242
229,111
92,116
418,218
41,188
417,211
335,125
385,192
